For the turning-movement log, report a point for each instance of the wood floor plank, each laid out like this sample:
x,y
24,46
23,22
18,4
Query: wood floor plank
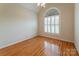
x,y
40,46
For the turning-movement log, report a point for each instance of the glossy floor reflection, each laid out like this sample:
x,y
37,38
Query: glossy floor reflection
x,y
40,46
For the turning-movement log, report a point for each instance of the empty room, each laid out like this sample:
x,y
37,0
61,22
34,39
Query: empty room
x,y
39,29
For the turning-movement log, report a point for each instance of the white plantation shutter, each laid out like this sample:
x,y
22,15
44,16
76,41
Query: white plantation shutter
x,y
51,24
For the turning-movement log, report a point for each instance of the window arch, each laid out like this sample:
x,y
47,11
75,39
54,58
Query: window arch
x,y
51,21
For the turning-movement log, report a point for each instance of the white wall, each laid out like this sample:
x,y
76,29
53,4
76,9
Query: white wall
x,y
77,26
16,24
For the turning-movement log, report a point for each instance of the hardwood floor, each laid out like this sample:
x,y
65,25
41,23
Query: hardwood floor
x,y
40,46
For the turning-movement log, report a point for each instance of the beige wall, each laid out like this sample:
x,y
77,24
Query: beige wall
x,y
77,26
66,21
16,24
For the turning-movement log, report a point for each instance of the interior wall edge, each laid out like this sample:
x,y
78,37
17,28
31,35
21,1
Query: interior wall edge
x,y
76,21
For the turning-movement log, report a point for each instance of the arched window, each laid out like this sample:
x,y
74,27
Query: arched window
x,y
51,21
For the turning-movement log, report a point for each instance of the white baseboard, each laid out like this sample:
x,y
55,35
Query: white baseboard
x,y
29,38
60,38
18,41
76,46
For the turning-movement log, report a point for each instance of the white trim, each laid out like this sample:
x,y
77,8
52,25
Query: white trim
x,y
76,46
17,41
56,37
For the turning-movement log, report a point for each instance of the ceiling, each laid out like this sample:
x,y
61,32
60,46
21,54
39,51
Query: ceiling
x,y
31,6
